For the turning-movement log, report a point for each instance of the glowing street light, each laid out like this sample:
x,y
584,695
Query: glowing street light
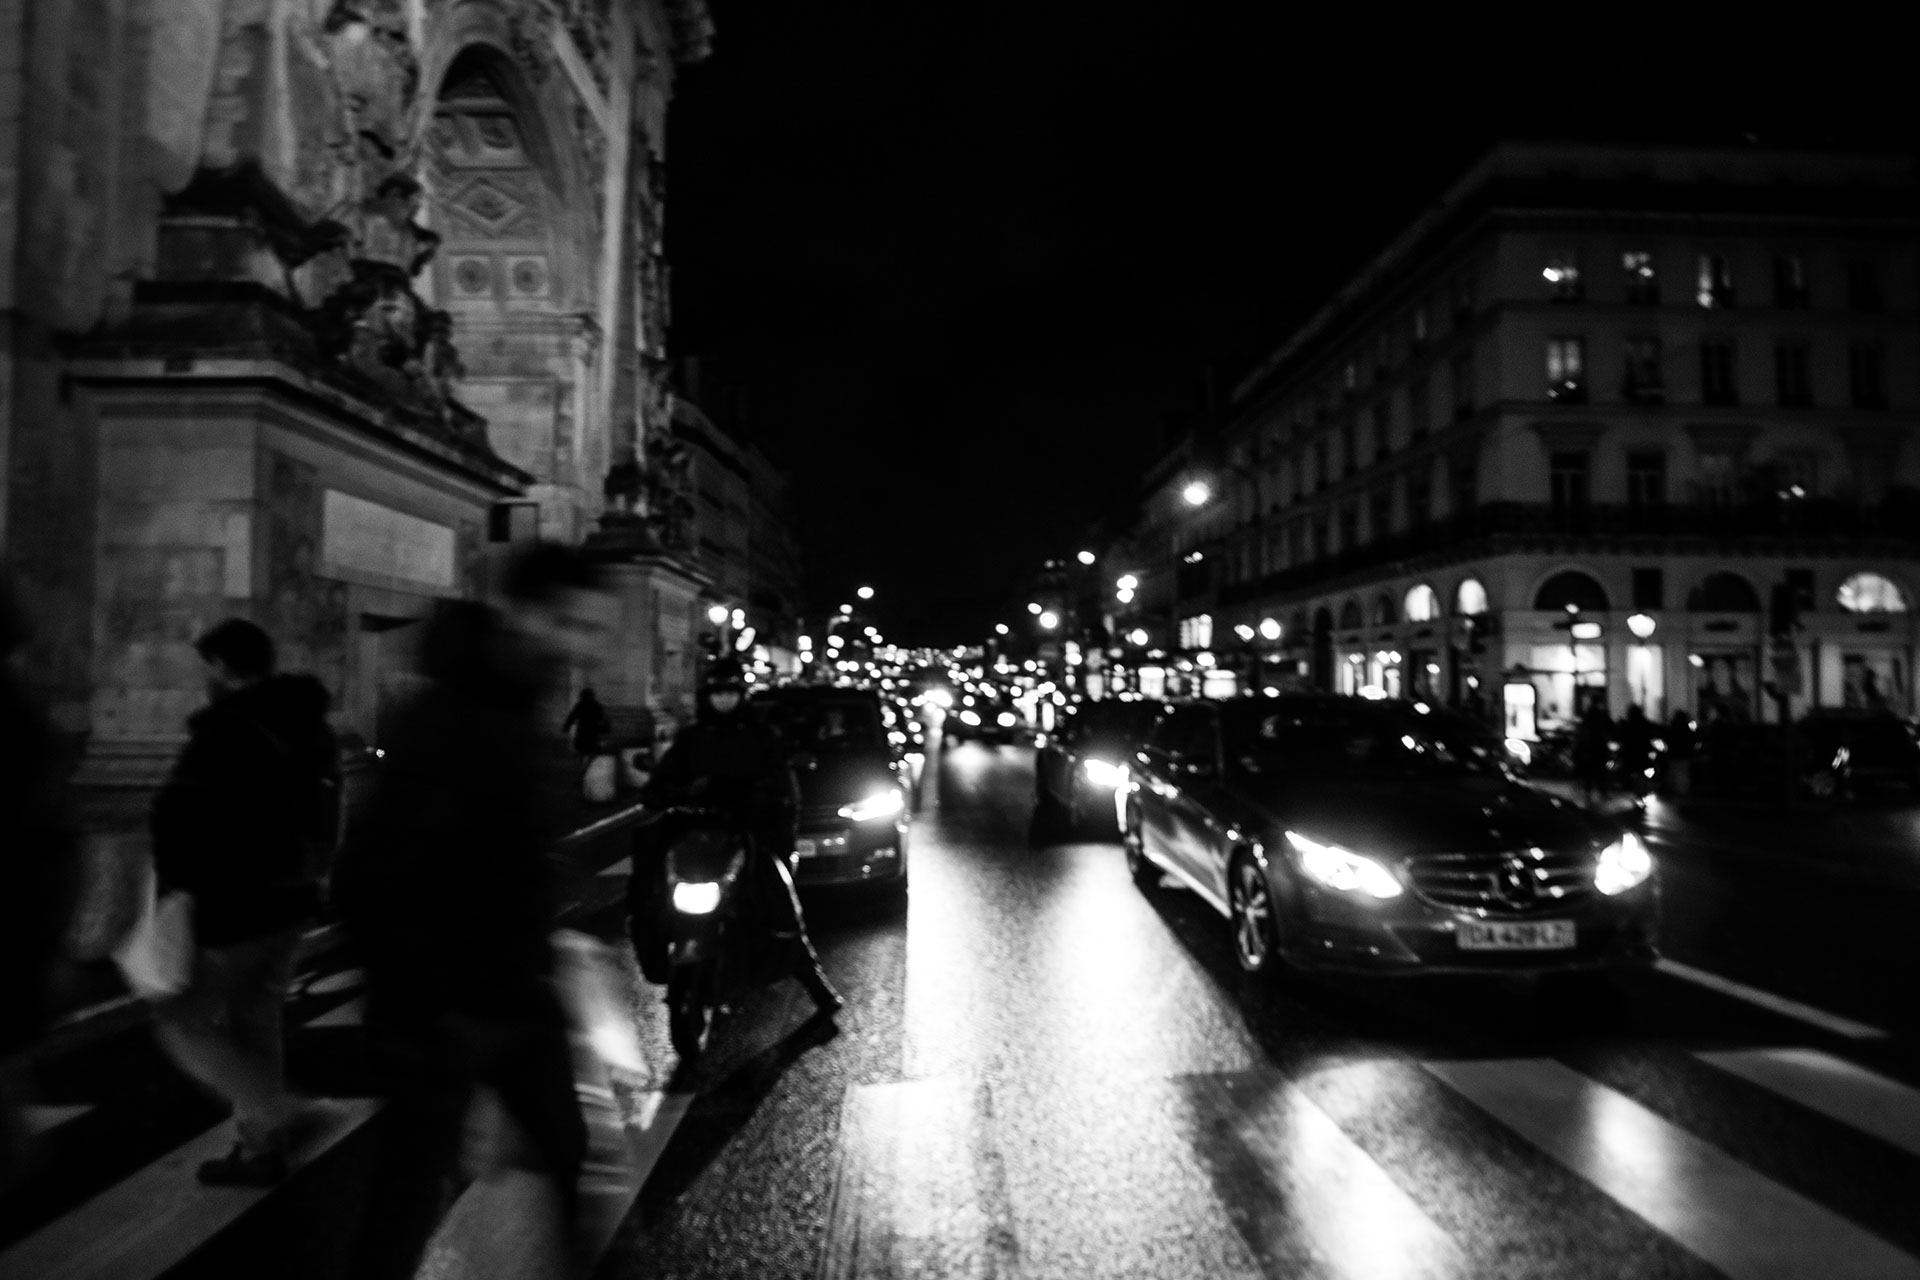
x,y
1000,628
1197,493
1049,620
1086,557
1033,608
1641,624
1138,635
865,593
717,615
1127,582
1269,628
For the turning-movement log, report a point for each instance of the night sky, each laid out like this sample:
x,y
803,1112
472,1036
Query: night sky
x,y
963,268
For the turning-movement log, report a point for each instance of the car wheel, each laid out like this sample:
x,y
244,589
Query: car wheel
x,y
1133,840
1251,907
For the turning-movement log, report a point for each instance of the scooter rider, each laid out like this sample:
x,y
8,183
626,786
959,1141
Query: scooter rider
x,y
728,760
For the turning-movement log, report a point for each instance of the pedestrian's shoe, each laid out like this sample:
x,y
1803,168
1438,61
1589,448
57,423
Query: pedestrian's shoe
x,y
825,998
238,1169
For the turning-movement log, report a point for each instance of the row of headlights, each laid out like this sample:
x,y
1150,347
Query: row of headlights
x,y
1006,719
1623,865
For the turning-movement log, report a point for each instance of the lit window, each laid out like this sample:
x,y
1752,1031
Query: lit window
x,y
1421,605
1197,632
1643,286
1871,593
1562,274
1715,281
1567,370
1470,598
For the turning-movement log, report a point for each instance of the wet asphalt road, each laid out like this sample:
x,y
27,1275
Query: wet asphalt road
x,y
1044,1071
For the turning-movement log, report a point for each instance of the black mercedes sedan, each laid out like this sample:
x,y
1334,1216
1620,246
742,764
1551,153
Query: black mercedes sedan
x,y
1083,763
1381,837
855,785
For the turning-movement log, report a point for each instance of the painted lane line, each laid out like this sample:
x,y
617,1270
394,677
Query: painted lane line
x,y
624,867
155,1218
1306,1196
920,1190
351,1014
1876,1106
1794,1009
1734,1219
334,983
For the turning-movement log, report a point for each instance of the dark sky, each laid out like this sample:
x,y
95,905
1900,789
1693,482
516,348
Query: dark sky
x,y
965,263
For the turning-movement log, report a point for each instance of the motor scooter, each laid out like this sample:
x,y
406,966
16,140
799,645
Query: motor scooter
x,y
717,951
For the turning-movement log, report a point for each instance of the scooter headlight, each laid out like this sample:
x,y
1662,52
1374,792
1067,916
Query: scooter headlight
x,y
1623,864
696,897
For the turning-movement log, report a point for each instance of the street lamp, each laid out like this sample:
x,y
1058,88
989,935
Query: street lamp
x,y
1197,493
1033,607
999,628
1086,557
1269,628
1049,620
865,593
1127,582
717,615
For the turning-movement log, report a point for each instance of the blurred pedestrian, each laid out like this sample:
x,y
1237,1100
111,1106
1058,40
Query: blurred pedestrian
x,y
589,723
1592,750
42,874
1635,754
446,886
246,825
1680,740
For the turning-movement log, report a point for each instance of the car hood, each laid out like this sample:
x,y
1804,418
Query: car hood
x,y
843,777
1408,817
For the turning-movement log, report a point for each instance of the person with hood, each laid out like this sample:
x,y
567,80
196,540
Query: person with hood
x,y
727,760
446,887
246,824
588,722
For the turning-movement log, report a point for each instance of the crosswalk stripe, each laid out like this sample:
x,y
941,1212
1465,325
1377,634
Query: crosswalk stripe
x,y
1309,1193
155,1218
1782,1005
919,1190
1840,1090
1735,1219
41,1120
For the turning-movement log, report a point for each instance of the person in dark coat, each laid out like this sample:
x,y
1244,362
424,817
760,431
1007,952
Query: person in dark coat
x,y
447,888
589,723
246,824
1593,750
728,760
42,875
1636,750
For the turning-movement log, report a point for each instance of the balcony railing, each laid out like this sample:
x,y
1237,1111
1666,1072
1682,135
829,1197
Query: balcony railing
x,y
1898,519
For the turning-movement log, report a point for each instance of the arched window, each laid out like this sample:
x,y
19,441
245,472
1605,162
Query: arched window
x,y
1422,605
1871,593
1383,611
1724,592
1470,598
1570,588
1350,619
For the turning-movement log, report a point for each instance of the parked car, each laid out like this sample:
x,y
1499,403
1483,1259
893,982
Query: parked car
x,y
1824,756
1381,837
855,786
1084,762
981,718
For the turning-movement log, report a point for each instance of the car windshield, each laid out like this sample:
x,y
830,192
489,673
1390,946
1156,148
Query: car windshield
x,y
1358,739
828,726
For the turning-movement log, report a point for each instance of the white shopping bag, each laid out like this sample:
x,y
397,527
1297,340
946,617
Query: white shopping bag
x,y
156,957
602,778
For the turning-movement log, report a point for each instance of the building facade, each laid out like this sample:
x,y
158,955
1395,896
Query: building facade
x,y
1605,423
311,308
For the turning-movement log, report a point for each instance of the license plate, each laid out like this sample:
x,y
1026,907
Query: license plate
x,y
806,848
1515,935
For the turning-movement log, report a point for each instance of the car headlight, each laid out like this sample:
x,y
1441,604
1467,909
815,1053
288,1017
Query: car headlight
x,y
969,717
1342,869
696,897
1102,774
881,804
1623,864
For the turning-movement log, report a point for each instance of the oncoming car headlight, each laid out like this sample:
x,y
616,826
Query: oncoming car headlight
x,y
1102,774
881,804
696,897
1623,864
969,717
1342,869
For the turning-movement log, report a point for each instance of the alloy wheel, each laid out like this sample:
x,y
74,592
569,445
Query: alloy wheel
x,y
1252,907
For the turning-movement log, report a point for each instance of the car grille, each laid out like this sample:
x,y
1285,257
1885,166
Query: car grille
x,y
815,816
1514,881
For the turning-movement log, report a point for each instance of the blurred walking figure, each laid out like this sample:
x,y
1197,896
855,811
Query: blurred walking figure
x,y
1636,754
40,869
246,825
1592,749
446,886
588,722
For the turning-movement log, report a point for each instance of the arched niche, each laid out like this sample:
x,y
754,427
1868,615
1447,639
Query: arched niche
x,y
1724,592
1470,598
1871,593
1571,589
1422,604
1351,618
